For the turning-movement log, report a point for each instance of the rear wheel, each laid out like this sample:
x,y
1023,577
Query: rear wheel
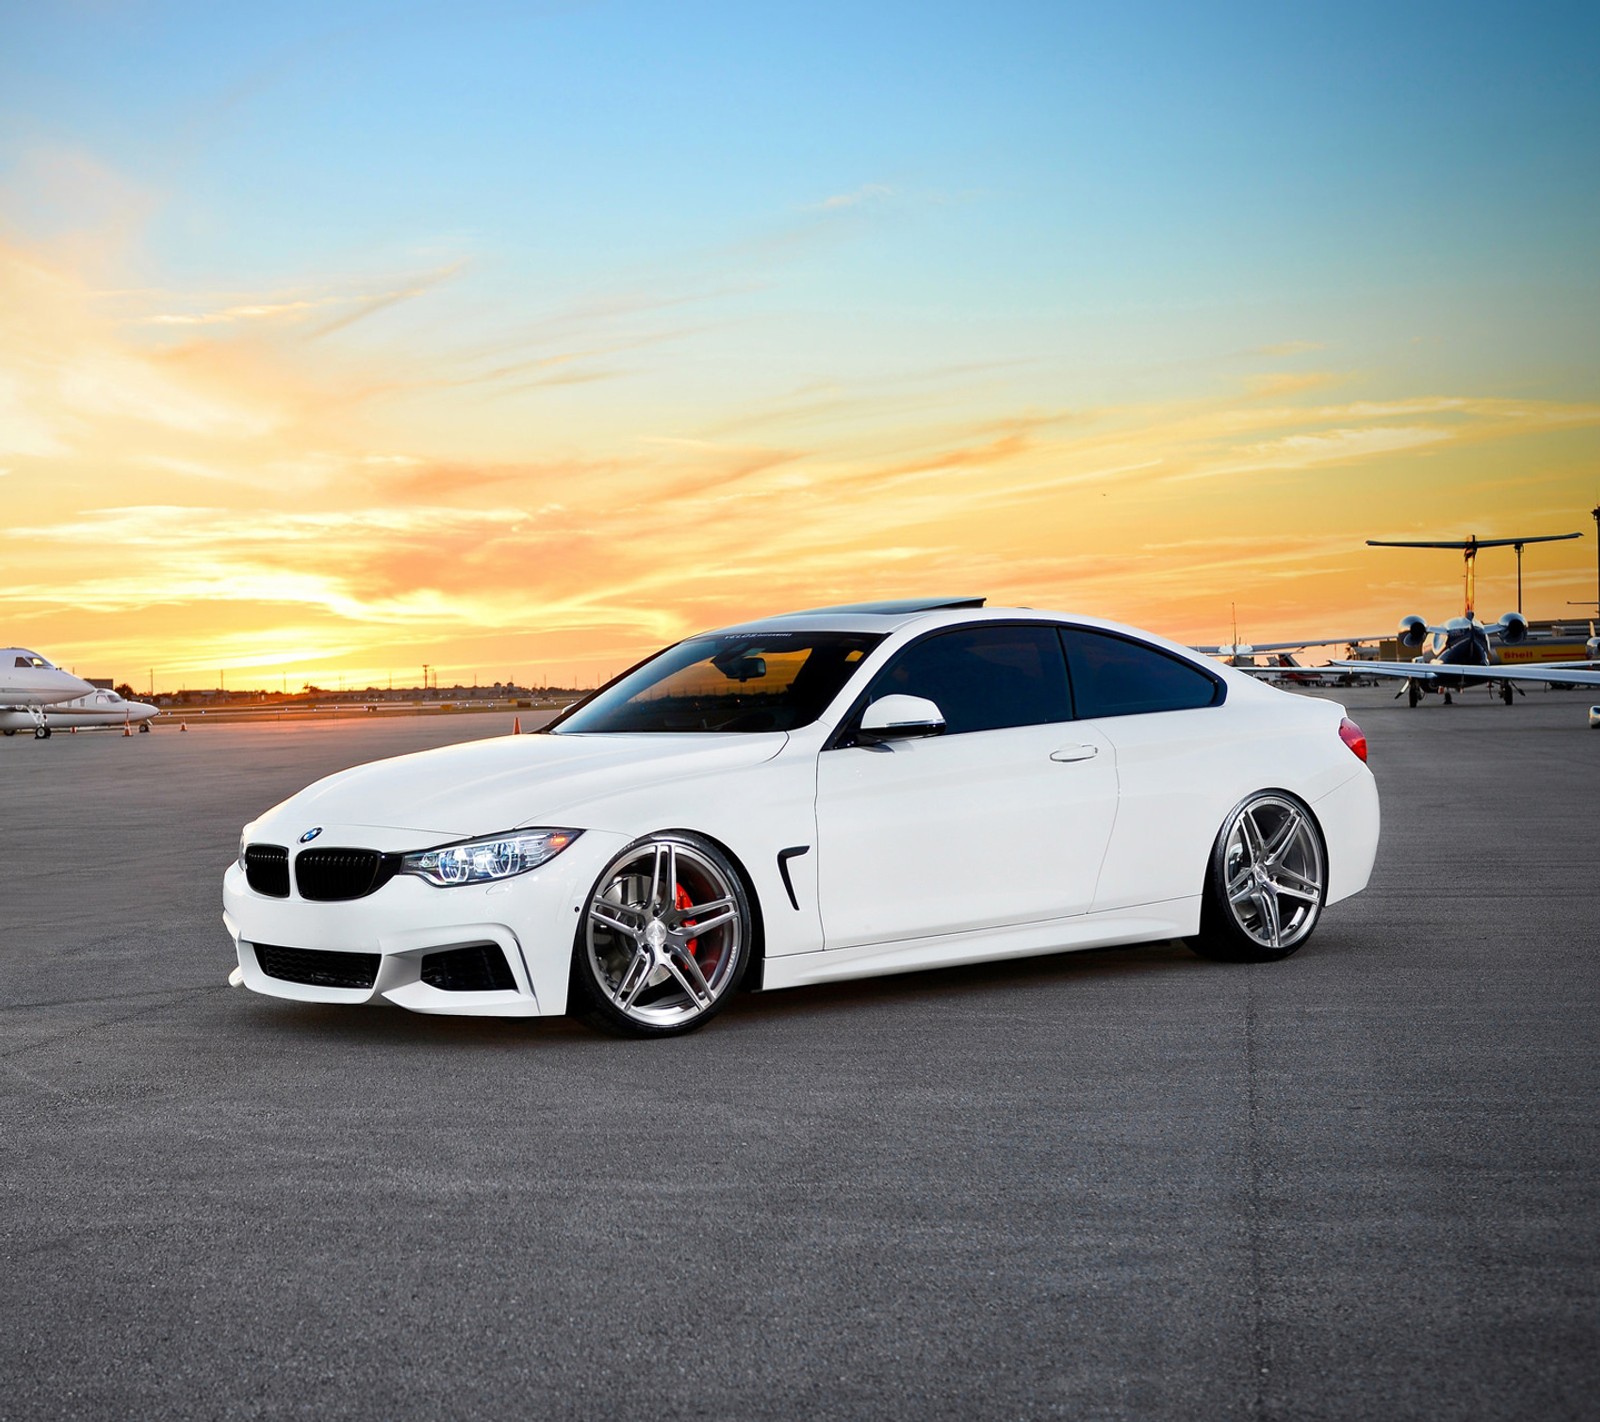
x,y
664,938
1266,883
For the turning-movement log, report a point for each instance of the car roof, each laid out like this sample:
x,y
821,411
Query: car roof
x,y
854,616
894,607
888,618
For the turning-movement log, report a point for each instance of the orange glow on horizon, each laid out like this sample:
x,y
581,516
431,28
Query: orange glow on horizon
x,y
263,493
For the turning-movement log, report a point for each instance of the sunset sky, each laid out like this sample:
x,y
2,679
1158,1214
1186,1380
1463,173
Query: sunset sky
x,y
519,339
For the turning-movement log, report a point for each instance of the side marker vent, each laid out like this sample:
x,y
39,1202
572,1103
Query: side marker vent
x,y
479,967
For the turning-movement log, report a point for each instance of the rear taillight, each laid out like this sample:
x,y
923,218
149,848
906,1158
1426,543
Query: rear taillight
x,y
1351,734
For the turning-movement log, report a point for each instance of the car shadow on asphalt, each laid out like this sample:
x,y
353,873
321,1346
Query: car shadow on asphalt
x,y
1004,984
1002,979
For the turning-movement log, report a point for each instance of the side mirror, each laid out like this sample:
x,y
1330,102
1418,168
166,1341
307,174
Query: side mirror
x,y
893,718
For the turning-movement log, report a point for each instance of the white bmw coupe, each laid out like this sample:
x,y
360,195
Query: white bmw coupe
x,y
823,795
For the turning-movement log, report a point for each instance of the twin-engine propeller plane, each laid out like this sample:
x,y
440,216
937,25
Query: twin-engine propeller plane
x,y
1462,655
29,684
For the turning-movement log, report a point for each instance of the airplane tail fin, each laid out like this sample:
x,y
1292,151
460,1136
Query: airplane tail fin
x,y
1468,548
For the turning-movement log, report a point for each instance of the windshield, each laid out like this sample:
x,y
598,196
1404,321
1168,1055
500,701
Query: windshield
x,y
770,681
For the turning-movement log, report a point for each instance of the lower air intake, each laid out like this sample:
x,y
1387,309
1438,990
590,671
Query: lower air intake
x,y
480,967
317,969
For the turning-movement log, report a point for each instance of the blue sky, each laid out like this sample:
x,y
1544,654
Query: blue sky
x,y
569,237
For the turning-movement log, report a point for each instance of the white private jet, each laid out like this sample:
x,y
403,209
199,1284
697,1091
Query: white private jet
x,y
29,684
99,710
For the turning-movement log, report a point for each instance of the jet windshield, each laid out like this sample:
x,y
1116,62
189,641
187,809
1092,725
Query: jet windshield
x,y
733,682
32,659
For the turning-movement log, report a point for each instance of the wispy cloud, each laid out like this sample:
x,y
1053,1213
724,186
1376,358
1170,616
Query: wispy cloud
x,y
265,482
1290,348
1281,385
229,315
866,193
1305,451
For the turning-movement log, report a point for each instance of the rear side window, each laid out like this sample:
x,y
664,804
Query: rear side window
x,y
1113,676
984,678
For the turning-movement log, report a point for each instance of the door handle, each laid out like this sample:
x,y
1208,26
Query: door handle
x,y
1069,753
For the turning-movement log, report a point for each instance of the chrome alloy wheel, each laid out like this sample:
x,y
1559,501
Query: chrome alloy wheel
x,y
1273,872
665,934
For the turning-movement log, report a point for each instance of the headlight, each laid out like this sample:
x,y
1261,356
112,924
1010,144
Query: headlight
x,y
244,840
481,861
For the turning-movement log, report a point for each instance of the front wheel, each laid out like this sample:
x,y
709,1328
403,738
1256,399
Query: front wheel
x,y
1266,882
664,939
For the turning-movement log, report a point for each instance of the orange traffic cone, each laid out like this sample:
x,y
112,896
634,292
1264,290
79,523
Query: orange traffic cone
x,y
127,729
516,725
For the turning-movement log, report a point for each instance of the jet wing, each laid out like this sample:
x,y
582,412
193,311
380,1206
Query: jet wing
x,y
1244,649
1432,671
1296,674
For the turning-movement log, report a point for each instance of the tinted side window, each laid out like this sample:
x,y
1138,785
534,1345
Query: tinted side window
x,y
1112,676
984,678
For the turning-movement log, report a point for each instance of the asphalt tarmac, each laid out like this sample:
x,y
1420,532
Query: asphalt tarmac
x,y
1361,1183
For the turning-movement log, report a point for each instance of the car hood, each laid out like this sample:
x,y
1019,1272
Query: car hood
x,y
507,782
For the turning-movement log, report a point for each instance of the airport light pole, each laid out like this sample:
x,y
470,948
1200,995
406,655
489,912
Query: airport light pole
x,y
1596,603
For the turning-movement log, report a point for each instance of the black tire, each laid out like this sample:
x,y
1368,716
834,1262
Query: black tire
x,y
664,938
1413,694
1269,858
41,733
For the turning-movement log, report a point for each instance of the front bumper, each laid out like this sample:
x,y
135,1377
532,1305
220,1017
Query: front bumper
x,y
529,920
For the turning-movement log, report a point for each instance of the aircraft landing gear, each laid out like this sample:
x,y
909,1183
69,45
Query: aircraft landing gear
x,y
41,733
144,728
1413,694
1448,700
1505,692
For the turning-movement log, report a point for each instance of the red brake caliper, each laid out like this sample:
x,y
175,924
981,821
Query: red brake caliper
x,y
681,901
